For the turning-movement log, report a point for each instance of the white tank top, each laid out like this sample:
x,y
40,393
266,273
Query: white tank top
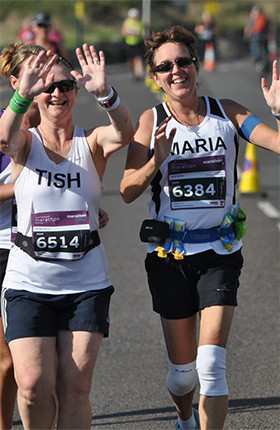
x,y
196,183
45,187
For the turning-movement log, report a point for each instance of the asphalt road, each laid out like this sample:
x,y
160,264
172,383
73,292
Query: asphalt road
x,y
128,391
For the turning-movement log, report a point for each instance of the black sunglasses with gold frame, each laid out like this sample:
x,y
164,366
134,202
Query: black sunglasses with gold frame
x,y
167,66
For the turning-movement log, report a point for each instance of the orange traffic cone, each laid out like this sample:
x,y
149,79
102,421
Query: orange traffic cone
x,y
209,57
250,179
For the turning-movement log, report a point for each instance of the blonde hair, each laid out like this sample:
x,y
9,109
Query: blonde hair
x,y
12,57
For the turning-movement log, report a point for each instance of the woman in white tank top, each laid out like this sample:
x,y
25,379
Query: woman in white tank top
x,y
186,149
57,275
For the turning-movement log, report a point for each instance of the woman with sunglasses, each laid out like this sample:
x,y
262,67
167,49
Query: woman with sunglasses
x,y
57,289
12,60
186,149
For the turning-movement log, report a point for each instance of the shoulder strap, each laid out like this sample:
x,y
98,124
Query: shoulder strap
x,y
161,114
215,108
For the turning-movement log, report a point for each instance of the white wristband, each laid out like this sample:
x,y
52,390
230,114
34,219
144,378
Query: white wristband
x,y
111,101
108,97
275,114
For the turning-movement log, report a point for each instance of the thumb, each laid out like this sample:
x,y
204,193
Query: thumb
x,y
172,133
76,75
264,85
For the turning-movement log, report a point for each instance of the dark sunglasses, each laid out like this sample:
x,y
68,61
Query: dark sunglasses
x,y
63,86
167,66
41,25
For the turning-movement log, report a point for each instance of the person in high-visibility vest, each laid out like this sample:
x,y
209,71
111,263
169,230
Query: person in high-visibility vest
x,y
133,32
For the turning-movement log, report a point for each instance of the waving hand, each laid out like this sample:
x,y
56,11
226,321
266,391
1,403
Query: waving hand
x,y
93,77
37,75
272,94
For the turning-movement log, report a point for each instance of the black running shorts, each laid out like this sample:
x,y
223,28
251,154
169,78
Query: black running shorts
x,y
180,288
31,314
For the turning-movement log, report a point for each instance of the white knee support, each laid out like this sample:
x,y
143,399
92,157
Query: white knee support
x,y
211,369
181,378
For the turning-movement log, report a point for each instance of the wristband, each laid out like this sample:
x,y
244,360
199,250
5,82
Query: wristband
x,y
275,114
18,104
111,101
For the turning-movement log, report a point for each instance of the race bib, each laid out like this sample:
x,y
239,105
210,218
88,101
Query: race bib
x,y
197,183
60,235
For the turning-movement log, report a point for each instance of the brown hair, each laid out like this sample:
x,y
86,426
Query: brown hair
x,y
175,34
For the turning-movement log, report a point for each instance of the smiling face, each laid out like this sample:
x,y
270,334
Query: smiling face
x,y
58,104
179,81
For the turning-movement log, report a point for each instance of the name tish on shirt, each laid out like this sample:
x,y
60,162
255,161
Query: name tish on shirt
x,y
59,180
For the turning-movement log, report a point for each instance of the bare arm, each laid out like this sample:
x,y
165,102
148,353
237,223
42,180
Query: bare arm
x,y
14,140
6,192
118,134
93,79
262,135
140,169
124,29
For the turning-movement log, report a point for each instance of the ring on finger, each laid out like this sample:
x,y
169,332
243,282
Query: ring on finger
x,y
96,62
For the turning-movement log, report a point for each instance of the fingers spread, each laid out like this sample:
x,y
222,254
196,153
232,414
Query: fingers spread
x,y
80,57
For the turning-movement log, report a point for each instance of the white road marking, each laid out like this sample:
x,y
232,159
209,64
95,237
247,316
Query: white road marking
x,y
268,209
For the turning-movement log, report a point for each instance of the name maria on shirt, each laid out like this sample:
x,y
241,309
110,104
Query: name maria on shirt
x,y
198,145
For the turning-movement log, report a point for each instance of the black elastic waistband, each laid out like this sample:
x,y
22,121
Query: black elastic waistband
x,y
25,243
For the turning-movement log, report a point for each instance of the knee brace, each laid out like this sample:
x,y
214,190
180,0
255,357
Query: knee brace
x,y
211,369
181,378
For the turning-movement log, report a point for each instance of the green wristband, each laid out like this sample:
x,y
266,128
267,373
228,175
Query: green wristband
x,y
18,104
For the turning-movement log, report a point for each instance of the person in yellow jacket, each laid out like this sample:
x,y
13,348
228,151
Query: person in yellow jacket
x,y
133,32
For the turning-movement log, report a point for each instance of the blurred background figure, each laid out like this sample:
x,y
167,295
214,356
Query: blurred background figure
x,y
133,33
42,28
256,32
26,34
206,39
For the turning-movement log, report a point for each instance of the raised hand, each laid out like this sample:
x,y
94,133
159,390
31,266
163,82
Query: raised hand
x,y
163,144
272,94
37,75
93,77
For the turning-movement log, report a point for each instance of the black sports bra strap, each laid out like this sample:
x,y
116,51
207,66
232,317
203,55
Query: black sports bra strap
x,y
215,108
161,114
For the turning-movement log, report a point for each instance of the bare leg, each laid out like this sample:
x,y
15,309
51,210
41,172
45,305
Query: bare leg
x,y
77,354
8,387
183,404
35,372
213,412
180,338
214,330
